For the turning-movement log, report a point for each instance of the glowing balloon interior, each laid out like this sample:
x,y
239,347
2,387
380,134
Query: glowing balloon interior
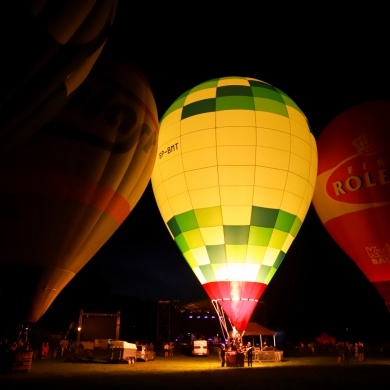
x,y
234,177
352,194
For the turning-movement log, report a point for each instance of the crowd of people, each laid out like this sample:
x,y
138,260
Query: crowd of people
x,y
44,351
345,351
20,345
247,350
235,344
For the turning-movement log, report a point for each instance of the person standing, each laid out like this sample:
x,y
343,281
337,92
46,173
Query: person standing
x,y
356,352
166,349
361,351
339,352
45,350
249,354
171,347
223,355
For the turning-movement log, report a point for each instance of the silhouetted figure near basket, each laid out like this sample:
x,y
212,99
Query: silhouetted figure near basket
x,y
249,354
223,355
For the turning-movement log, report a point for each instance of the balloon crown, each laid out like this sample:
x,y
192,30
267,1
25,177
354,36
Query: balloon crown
x,y
369,143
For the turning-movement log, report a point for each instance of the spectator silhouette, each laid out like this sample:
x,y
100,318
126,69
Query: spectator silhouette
x,y
223,355
249,354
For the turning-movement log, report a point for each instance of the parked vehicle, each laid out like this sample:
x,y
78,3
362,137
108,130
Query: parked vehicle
x,y
199,348
123,351
145,353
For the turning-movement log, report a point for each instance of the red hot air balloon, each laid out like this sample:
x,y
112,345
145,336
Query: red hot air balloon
x,y
352,193
66,191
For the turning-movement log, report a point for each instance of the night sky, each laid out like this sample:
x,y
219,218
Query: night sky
x,y
325,64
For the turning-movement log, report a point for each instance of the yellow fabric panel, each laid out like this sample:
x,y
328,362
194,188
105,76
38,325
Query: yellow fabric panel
x,y
273,139
267,197
193,238
202,178
291,203
236,215
202,94
205,197
271,254
231,79
278,238
171,123
287,243
299,121
255,254
271,178
235,253
236,175
175,185
195,123
199,275
273,158
236,155
296,184
235,118
180,203
170,166
211,216
269,120
229,135
199,158
201,139
200,256
301,147
299,166
213,235
236,195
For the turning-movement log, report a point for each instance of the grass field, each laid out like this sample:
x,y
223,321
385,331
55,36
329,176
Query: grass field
x,y
183,372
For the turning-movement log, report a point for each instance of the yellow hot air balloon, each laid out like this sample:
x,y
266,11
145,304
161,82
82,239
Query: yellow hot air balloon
x,y
233,180
66,191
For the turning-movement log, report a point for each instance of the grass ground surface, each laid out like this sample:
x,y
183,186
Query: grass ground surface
x,y
183,372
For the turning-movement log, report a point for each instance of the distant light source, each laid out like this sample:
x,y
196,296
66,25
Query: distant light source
x,y
78,336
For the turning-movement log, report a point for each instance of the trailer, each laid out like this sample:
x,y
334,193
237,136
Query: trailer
x,y
122,351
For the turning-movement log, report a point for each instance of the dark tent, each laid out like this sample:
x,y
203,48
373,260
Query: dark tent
x,y
256,330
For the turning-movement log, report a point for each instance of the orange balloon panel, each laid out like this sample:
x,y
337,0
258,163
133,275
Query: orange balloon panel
x,y
352,193
69,189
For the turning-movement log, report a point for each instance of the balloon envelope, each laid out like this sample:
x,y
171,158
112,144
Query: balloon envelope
x,y
234,177
68,189
48,49
352,194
